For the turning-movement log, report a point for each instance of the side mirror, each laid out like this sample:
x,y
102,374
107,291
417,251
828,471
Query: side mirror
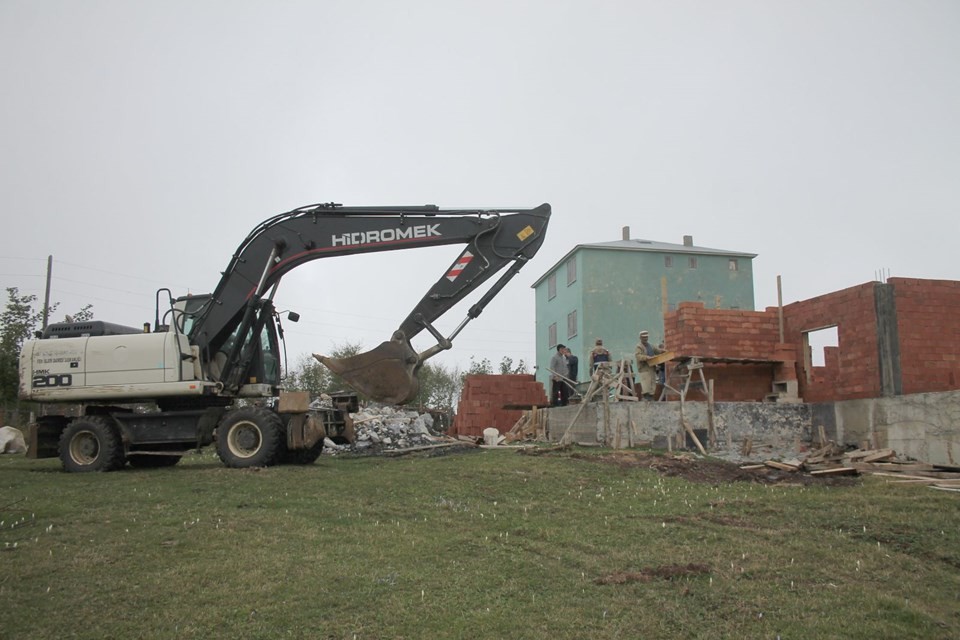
x,y
293,316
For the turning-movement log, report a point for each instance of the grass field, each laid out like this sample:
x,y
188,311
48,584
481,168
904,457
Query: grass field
x,y
482,544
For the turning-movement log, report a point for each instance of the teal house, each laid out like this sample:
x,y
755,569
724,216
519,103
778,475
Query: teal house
x,y
614,290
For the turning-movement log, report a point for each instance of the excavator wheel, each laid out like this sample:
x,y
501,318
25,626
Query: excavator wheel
x,y
91,443
303,456
250,437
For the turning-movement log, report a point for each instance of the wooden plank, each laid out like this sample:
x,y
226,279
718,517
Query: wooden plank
x,y
666,356
918,476
753,467
773,464
836,471
891,467
882,454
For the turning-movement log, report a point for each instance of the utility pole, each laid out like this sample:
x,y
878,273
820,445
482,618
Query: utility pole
x,y
780,307
46,296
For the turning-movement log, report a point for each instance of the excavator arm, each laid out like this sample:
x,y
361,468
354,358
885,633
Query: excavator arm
x,y
242,302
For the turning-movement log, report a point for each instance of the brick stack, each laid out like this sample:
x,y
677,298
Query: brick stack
x,y
928,324
484,399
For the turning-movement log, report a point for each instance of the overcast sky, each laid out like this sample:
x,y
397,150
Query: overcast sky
x,y
141,141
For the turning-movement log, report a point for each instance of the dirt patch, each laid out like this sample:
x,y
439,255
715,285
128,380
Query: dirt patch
x,y
708,470
663,572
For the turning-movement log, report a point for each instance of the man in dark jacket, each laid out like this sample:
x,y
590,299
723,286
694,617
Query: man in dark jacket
x,y
559,372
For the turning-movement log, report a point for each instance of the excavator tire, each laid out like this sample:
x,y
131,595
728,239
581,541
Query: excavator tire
x,y
303,456
91,443
250,437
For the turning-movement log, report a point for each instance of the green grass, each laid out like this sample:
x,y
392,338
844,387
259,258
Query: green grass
x,y
487,544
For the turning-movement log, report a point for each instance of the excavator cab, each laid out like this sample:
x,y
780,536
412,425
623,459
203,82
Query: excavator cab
x,y
264,349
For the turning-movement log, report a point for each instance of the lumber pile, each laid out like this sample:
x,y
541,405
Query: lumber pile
x,y
831,459
528,427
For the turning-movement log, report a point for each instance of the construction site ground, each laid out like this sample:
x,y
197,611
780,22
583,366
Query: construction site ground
x,y
708,470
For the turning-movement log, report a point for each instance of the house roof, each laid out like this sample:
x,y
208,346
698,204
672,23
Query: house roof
x,y
650,246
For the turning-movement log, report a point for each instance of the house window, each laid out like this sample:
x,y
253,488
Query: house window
x,y
732,264
552,286
692,262
552,335
571,324
571,271
668,261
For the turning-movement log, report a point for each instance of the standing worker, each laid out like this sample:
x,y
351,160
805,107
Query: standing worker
x,y
559,371
646,372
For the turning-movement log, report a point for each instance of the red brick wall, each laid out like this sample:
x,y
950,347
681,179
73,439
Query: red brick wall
x,y
734,382
851,371
694,330
928,324
723,333
928,327
484,398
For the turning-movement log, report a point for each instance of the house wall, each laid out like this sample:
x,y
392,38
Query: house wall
x,y
853,369
693,329
928,326
620,300
618,293
894,338
548,311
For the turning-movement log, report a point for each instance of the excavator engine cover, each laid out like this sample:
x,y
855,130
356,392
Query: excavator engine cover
x,y
387,373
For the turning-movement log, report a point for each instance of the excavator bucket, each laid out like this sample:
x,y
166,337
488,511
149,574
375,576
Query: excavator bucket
x,y
387,373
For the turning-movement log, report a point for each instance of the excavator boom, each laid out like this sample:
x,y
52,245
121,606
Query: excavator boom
x,y
494,239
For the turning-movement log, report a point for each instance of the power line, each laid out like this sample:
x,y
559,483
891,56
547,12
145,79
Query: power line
x,y
101,286
121,275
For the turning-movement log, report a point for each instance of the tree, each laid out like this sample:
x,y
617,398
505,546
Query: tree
x,y
84,315
308,375
479,368
17,323
506,366
439,387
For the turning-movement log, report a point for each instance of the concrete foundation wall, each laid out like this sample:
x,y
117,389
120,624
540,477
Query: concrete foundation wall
x,y
924,426
770,428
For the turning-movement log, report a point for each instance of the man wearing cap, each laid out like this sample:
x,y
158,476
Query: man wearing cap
x,y
559,370
645,372
598,356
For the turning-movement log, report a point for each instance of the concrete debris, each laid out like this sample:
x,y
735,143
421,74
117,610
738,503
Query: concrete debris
x,y
379,429
11,440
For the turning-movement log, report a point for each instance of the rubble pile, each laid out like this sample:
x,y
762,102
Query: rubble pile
x,y
378,429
